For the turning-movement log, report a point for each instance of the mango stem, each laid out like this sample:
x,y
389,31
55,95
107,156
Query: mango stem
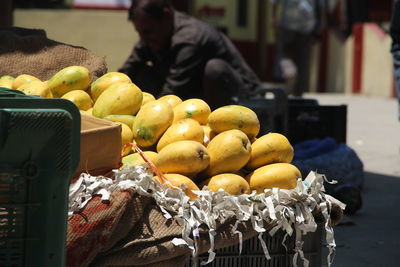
x,y
153,167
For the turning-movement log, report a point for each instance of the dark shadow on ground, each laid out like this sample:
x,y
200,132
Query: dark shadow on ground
x,y
371,237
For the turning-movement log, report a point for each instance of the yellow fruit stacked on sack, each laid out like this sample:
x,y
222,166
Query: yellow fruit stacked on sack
x,y
173,100
231,183
105,81
80,98
229,152
120,98
69,79
23,79
179,180
280,175
147,97
135,158
152,120
184,157
270,148
186,129
36,88
6,81
193,108
126,119
126,137
234,117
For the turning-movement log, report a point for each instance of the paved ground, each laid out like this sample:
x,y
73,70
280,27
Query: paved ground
x,y
371,237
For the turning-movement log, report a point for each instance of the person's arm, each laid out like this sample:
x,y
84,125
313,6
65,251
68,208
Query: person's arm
x,y
141,72
186,69
133,61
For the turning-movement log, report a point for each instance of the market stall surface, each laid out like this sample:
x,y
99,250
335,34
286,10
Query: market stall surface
x,y
371,237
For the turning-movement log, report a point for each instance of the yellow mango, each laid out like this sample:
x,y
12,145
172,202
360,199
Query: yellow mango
x,y
126,137
135,158
234,117
229,152
69,79
103,82
152,120
208,134
119,99
173,100
90,111
280,175
6,81
186,129
147,97
37,88
270,148
80,98
184,157
231,183
126,119
22,79
179,180
193,108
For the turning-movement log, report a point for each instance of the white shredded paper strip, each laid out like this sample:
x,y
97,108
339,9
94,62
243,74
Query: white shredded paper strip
x,y
289,210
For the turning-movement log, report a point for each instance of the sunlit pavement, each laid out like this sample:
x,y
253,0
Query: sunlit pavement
x,y
371,237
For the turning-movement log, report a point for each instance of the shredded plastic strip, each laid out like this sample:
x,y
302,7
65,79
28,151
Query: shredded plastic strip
x,y
289,210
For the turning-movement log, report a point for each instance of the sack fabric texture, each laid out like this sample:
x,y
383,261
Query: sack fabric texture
x,y
29,51
131,230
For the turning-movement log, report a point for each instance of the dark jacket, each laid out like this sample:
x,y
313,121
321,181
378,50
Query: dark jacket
x,y
181,66
395,27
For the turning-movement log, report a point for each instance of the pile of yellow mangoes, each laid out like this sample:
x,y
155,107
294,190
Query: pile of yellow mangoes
x,y
187,141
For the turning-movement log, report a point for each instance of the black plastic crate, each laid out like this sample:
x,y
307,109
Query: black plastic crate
x,y
253,256
309,120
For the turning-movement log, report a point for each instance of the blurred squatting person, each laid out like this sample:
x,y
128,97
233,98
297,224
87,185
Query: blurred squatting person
x,y
178,54
395,49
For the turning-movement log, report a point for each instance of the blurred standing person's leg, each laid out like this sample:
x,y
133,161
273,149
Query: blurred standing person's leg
x,y
302,60
395,34
285,69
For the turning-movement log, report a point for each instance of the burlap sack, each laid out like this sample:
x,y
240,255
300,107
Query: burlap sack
x,y
132,231
29,51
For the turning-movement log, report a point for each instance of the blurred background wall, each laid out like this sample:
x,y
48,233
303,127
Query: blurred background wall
x,y
351,56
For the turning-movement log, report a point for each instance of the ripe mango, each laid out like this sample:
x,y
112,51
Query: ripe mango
x,y
229,152
280,175
147,97
6,81
152,120
173,100
80,98
208,134
234,117
186,129
126,119
179,180
103,82
184,157
270,148
193,108
68,79
135,158
231,183
126,137
37,88
90,111
119,99
22,79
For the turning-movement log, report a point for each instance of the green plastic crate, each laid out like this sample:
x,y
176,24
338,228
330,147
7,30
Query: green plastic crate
x,y
39,150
